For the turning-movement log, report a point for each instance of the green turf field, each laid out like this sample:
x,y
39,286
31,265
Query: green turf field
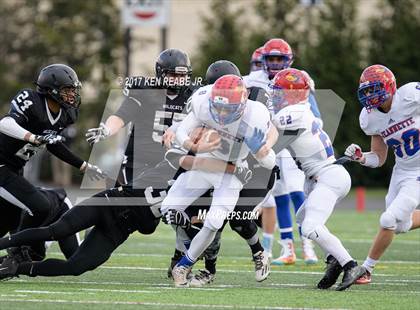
x,y
136,275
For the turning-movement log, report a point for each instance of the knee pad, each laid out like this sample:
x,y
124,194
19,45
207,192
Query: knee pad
x,y
246,229
213,224
403,227
388,220
308,229
215,219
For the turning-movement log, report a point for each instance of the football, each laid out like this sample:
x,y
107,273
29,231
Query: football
x,y
202,134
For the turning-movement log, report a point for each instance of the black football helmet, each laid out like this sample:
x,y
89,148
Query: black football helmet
x,y
60,83
173,61
220,68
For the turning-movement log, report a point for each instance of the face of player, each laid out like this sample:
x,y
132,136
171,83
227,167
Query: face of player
x,y
375,96
176,79
277,61
225,114
70,95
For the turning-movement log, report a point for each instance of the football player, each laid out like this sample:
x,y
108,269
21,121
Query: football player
x,y
112,223
247,229
277,55
391,117
224,107
154,111
35,120
326,183
10,218
256,60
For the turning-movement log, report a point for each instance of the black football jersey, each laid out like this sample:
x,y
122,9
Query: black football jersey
x,y
151,111
30,110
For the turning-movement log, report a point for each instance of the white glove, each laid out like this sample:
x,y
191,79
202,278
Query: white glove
x,y
355,153
93,172
94,135
46,139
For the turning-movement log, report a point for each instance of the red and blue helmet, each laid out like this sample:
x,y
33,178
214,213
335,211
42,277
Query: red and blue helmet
x,y
256,59
289,86
228,99
280,49
377,84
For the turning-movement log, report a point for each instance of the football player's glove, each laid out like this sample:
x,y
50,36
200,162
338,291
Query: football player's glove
x,y
51,138
93,172
256,141
354,152
94,135
178,218
244,174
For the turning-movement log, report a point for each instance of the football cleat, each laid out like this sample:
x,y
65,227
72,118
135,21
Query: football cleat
x,y
262,266
309,255
8,268
350,276
364,279
179,274
202,278
332,272
287,256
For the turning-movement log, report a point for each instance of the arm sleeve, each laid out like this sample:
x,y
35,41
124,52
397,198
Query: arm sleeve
x,y
314,105
10,127
65,154
129,110
185,128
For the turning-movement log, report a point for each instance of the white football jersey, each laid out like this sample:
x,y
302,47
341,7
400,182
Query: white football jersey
x,y
400,127
257,79
233,148
260,79
302,135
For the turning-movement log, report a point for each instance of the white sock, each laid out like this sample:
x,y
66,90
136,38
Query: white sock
x,y
331,244
369,264
201,242
267,242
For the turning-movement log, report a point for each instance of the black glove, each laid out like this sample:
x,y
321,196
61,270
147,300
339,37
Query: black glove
x,y
178,218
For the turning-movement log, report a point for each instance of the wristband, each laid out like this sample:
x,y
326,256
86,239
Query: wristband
x,y
371,160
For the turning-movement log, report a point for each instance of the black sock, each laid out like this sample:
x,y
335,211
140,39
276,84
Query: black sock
x,y
350,264
255,248
210,265
25,268
177,255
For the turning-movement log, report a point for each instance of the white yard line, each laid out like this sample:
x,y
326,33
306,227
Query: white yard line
x,y
156,304
240,271
119,291
246,258
45,292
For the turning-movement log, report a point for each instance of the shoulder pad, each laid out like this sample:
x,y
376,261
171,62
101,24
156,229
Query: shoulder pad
x,y
24,101
365,125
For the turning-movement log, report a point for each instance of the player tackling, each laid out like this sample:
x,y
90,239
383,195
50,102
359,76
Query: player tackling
x,y
241,125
